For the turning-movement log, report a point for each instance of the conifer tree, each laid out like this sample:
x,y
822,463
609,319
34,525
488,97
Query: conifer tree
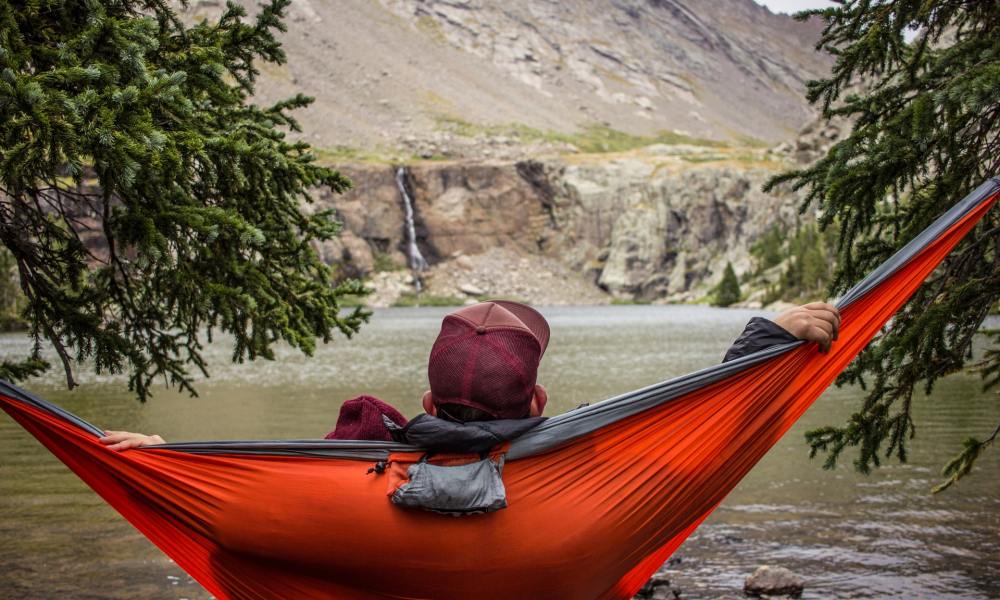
x,y
926,131
728,290
145,201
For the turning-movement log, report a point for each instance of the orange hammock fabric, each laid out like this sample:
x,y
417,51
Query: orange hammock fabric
x,y
591,514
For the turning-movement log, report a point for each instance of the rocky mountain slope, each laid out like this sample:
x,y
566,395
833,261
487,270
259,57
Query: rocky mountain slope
x,y
389,75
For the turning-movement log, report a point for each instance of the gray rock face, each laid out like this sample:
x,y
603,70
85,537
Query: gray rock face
x,y
644,227
773,581
636,251
654,232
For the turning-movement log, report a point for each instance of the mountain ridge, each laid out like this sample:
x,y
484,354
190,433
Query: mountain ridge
x,y
387,76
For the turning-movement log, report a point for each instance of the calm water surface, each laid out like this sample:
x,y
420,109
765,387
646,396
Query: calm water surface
x,y
849,536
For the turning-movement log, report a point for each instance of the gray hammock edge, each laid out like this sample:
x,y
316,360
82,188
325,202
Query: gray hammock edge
x,y
568,426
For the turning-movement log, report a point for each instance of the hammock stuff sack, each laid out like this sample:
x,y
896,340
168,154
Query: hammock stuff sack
x,y
597,498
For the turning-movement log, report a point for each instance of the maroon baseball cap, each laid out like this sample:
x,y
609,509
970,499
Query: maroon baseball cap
x,y
363,418
486,357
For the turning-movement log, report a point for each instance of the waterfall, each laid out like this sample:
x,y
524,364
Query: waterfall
x,y
415,259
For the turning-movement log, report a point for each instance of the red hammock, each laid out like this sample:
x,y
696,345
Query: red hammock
x,y
598,498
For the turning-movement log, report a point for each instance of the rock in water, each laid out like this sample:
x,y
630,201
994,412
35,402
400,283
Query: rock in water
x,y
773,581
658,588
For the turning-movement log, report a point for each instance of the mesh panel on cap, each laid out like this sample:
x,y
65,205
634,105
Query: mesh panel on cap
x,y
531,318
494,371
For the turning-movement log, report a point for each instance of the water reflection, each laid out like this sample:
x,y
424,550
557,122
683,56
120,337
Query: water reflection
x,y
849,536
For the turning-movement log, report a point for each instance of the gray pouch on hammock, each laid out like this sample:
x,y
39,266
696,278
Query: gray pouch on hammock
x,y
468,489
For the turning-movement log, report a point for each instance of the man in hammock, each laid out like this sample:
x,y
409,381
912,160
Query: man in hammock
x,y
483,368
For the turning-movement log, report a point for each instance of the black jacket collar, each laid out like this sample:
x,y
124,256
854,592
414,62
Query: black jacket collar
x,y
437,435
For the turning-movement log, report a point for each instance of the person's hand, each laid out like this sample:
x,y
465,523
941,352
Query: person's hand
x,y
123,440
814,322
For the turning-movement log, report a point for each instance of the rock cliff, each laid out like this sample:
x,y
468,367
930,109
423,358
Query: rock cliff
x,y
647,231
643,226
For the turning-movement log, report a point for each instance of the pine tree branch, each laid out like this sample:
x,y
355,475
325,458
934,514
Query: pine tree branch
x,y
926,130
961,465
190,218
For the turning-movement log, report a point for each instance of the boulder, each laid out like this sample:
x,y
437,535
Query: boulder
x,y
471,290
387,287
773,581
657,588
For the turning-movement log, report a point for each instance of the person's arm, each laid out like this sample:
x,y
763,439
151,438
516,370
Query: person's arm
x,y
814,322
123,440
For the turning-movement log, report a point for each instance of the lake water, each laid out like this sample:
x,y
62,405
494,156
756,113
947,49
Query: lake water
x,y
849,536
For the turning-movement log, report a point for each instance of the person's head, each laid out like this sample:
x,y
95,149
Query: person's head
x,y
484,363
